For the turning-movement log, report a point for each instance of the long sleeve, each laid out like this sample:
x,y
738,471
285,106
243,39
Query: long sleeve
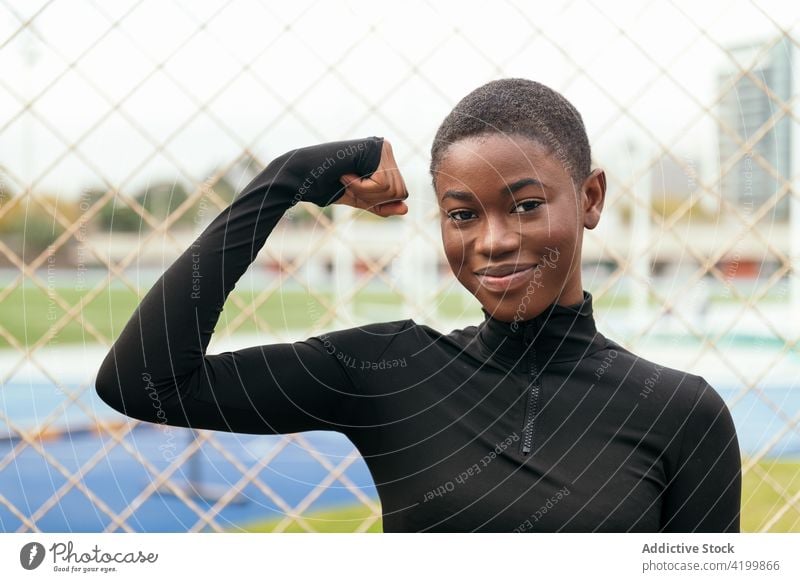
x,y
158,370
704,492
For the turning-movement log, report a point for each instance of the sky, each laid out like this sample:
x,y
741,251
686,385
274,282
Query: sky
x,y
271,76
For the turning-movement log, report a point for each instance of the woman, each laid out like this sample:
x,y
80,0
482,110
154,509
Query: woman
x,y
529,421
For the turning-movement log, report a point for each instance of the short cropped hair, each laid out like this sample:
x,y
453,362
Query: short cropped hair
x,y
521,107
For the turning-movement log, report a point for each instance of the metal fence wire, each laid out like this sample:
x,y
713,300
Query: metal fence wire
x,y
99,99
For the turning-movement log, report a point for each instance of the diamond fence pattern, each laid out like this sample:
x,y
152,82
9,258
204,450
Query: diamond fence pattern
x,y
629,194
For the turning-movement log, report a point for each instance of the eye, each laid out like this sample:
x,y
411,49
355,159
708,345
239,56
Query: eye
x,y
458,215
527,205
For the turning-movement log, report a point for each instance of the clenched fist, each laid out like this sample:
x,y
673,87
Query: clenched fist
x,y
382,193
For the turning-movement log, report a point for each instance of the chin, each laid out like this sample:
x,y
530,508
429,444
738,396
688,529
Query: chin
x,y
505,312
504,308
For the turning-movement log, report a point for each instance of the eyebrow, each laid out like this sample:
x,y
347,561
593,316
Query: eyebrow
x,y
509,189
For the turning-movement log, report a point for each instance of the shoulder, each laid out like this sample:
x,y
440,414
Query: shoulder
x,y
708,407
458,342
706,434
367,341
424,330
403,336
381,332
423,338
688,398
653,382
681,403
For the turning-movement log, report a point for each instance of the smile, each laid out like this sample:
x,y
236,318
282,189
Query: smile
x,y
506,282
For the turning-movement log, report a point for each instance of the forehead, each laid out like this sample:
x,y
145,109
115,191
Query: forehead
x,y
494,160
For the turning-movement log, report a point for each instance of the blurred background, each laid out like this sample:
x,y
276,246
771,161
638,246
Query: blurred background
x,y
126,126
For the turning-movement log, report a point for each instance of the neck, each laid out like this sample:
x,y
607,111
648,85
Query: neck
x,y
561,332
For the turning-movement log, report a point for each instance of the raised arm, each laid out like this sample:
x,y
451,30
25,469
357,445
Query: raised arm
x,y
705,488
158,371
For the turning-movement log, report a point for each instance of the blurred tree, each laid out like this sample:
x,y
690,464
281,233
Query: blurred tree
x,y
29,228
115,214
160,199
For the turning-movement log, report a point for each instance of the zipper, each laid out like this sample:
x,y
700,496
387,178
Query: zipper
x,y
532,404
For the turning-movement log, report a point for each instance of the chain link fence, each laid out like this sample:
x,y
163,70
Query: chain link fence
x,y
127,126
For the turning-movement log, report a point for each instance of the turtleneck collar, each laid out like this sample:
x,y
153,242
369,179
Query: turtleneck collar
x,y
562,332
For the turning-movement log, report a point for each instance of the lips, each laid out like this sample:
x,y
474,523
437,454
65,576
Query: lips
x,y
505,277
503,270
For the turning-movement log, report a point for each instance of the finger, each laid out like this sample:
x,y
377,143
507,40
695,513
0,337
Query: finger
x,y
349,200
400,187
403,188
394,208
398,183
366,185
370,185
347,179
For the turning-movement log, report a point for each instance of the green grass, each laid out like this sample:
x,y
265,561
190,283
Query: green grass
x,y
760,502
28,313
345,519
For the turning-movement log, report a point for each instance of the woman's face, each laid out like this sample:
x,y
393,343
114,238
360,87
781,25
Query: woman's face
x,y
512,223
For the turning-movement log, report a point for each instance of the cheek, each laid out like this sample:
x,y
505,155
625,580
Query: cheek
x,y
558,250
454,246
562,233
562,237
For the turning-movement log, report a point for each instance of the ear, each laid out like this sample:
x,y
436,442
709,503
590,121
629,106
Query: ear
x,y
593,194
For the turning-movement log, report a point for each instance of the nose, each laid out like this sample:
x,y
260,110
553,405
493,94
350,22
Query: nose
x,y
498,236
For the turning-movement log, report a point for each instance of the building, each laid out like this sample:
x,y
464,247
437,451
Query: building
x,y
749,114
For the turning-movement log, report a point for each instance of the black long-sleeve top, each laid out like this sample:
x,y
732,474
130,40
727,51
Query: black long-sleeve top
x,y
546,426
